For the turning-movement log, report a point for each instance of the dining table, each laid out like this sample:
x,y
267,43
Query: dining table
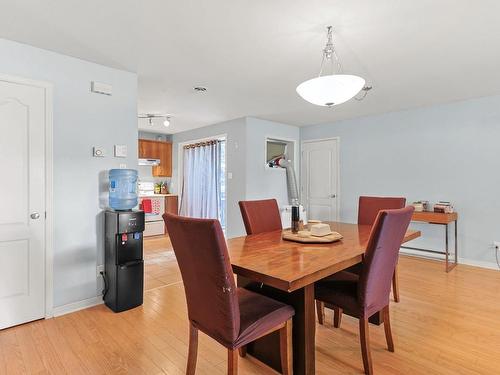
x,y
286,271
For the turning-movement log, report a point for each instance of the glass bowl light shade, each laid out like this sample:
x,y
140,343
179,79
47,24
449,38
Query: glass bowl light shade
x,y
330,90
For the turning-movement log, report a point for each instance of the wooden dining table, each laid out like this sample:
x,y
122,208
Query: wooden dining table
x,y
287,271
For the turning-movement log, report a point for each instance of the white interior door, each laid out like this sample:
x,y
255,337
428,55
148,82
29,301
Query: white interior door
x,y
22,203
319,176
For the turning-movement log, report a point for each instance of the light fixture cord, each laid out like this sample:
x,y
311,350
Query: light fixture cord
x,y
329,53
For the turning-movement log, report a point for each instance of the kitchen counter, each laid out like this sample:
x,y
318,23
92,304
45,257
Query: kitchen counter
x,y
161,203
156,195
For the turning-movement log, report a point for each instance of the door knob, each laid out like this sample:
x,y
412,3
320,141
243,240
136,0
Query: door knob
x,y
35,215
333,196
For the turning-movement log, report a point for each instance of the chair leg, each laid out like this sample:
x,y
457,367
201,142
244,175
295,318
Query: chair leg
x,y
364,338
193,350
232,362
387,329
395,284
243,351
286,348
337,317
320,310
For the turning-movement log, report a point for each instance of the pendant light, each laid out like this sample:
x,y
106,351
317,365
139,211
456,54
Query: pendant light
x,y
333,89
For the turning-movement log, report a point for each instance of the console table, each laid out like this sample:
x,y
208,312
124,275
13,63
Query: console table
x,y
438,219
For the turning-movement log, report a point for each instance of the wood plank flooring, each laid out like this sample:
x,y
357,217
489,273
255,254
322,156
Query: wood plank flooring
x,y
445,324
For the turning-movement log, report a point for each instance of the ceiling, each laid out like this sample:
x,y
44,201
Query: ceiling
x,y
251,54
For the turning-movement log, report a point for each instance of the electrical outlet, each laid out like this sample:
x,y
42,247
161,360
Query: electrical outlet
x,y
496,245
100,269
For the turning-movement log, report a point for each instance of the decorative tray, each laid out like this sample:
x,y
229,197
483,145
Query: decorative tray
x,y
332,237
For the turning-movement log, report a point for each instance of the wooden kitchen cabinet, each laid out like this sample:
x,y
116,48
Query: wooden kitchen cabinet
x,y
165,167
157,150
149,149
171,206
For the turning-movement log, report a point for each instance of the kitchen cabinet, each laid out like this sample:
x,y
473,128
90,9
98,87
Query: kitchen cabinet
x,y
165,167
157,150
171,206
148,149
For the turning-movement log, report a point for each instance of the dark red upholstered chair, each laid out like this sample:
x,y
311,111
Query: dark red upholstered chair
x,y
232,316
368,208
365,294
261,216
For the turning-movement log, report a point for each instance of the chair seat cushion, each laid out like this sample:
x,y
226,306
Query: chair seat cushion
x,y
341,290
259,314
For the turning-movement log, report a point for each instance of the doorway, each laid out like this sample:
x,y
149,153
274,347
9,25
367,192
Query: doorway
x,y
26,211
161,267
320,178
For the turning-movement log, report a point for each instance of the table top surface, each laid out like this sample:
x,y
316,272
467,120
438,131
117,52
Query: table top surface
x,y
434,217
289,266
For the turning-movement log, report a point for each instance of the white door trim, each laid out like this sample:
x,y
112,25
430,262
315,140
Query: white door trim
x,y
49,186
302,174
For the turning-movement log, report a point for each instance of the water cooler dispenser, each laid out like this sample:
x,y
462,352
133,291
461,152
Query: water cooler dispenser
x,y
124,264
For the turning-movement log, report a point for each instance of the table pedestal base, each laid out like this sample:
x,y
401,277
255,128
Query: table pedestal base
x,y
267,348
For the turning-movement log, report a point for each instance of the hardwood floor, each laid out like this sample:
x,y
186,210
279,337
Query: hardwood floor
x,y
444,324
160,266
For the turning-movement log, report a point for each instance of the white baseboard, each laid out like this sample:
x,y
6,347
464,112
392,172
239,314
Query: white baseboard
x,y
468,262
94,301
76,306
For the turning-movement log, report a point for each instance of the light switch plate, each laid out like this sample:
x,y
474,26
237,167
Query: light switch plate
x,y
98,152
121,151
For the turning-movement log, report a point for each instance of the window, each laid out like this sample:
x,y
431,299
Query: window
x,y
203,183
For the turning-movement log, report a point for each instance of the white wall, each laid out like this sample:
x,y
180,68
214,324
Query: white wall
x,y
246,161
444,152
81,120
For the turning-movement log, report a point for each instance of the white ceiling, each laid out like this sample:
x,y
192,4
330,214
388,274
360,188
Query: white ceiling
x,y
251,54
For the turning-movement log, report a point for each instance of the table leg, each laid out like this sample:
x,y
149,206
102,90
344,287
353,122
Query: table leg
x,y
446,246
266,349
376,318
449,265
456,246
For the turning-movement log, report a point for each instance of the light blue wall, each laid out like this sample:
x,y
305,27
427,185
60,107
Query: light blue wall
x,y
235,155
444,152
264,182
81,120
155,136
246,161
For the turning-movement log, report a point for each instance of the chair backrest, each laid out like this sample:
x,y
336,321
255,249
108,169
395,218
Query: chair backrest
x,y
369,207
211,293
260,216
381,257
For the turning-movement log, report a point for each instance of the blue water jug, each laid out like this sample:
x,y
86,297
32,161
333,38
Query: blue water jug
x,y
122,189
